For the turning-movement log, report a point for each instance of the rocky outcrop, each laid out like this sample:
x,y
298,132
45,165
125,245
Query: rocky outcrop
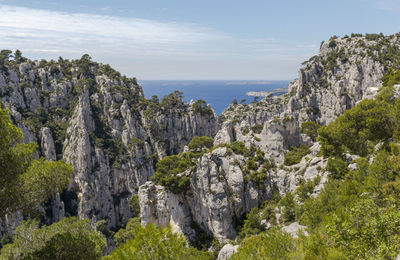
x,y
162,207
294,228
345,71
227,251
95,119
99,121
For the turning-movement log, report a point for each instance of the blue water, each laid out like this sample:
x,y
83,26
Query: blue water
x,y
219,94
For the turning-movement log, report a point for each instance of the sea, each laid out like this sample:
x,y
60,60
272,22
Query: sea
x,y
218,93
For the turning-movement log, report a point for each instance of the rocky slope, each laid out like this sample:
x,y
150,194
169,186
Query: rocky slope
x,y
99,121
223,189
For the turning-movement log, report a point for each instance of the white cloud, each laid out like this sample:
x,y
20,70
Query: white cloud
x,y
146,48
87,31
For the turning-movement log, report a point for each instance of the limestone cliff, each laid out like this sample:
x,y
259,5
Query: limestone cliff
x,y
97,120
89,115
344,72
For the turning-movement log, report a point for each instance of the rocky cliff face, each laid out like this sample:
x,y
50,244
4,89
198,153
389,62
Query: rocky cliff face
x,y
344,72
97,120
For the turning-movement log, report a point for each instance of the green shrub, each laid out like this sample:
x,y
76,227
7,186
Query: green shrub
x,y
366,231
257,129
171,101
252,224
201,142
310,129
239,148
369,121
200,106
295,154
272,244
288,206
134,205
337,167
69,238
151,242
168,173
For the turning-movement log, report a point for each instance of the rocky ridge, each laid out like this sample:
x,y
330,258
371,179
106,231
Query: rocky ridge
x,y
90,116
222,190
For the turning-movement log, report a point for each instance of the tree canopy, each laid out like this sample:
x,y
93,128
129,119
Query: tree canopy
x,y
25,182
69,238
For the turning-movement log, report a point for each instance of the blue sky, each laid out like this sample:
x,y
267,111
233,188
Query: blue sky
x,y
190,39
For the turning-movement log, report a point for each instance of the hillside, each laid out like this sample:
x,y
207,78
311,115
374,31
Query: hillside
x,y
317,159
90,116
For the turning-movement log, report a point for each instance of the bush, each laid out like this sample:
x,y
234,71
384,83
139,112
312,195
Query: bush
x,y
239,148
295,154
173,100
252,224
201,142
257,129
134,205
69,238
366,231
272,244
288,205
337,167
151,242
370,120
310,129
200,106
168,173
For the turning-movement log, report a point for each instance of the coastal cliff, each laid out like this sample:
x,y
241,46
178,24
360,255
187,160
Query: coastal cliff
x,y
223,189
98,121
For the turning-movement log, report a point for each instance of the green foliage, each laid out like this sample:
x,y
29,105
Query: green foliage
x,y
239,148
127,233
173,171
200,106
169,173
201,142
310,128
134,205
171,101
4,57
25,182
151,242
18,57
367,231
288,208
337,167
42,179
307,188
257,129
68,239
371,121
391,78
272,244
135,142
252,224
295,154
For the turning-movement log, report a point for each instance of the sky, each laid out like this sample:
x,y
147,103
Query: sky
x,y
190,39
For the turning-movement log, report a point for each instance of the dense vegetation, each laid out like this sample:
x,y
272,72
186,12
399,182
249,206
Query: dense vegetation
x,y
151,242
24,181
356,215
172,171
69,238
